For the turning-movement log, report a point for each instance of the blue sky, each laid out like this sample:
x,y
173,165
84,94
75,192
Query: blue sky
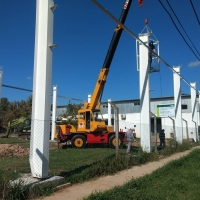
x,y
83,34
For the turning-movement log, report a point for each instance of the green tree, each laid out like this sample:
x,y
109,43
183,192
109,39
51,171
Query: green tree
x,y
71,114
3,110
14,110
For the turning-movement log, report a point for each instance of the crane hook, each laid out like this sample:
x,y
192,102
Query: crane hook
x,y
140,2
146,21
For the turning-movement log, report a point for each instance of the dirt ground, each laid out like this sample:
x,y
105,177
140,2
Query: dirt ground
x,y
79,191
8,150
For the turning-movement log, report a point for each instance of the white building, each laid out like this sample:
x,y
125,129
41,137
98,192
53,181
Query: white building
x,y
129,115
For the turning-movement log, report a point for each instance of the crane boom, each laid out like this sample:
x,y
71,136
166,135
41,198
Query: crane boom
x,y
98,90
91,127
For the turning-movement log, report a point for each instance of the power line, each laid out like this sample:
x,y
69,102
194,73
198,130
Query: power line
x,y
133,35
69,98
18,88
182,26
195,11
179,30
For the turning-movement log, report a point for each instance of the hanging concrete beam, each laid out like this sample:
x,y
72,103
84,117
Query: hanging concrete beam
x,y
41,108
178,109
53,117
109,112
144,95
194,109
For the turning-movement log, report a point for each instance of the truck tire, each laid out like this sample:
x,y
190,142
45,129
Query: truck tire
x,y
78,141
112,141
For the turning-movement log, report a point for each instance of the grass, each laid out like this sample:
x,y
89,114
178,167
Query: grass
x,y
177,180
76,165
15,141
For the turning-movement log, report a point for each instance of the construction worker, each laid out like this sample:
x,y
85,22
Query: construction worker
x,y
162,138
152,47
129,136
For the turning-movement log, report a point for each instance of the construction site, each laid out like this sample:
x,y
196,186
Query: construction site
x,y
47,136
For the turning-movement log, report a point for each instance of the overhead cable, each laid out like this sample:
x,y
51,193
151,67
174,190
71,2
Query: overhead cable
x,y
18,88
69,98
182,26
195,11
133,35
179,30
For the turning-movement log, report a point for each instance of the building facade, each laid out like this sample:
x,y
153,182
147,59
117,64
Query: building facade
x,y
129,115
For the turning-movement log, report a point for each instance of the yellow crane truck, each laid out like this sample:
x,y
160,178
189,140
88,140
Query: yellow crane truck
x,y
92,129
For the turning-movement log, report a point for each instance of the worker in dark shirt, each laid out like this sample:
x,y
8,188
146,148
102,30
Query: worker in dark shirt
x,y
152,47
162,138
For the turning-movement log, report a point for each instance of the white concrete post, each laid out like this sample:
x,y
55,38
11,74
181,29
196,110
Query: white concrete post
x,y
41,108
109,113
89,98
1,77
144,95
194,109
178,109
53,117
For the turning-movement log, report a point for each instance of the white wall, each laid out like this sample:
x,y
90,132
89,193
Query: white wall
x,y
132,120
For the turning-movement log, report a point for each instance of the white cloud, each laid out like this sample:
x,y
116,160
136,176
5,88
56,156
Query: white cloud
x,y
29,78
194,64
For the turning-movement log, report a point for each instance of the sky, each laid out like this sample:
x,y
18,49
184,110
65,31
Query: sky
x,y
83,34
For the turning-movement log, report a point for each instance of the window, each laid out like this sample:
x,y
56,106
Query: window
x,y
184,106
136,103
105,106
82,116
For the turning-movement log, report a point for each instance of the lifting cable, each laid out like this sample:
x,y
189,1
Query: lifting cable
x,y
133,35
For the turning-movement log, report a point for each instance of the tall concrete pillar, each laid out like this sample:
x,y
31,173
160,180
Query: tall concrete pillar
x,y
42,83
144,95
53,117
109,113
178,109
194,109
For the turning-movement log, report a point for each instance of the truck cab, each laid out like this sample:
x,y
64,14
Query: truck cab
x,y
91,121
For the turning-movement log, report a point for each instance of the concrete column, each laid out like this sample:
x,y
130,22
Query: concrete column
x,y
41,107
89,98
53,117
194,109
144,95
1,77
109,112
178,109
